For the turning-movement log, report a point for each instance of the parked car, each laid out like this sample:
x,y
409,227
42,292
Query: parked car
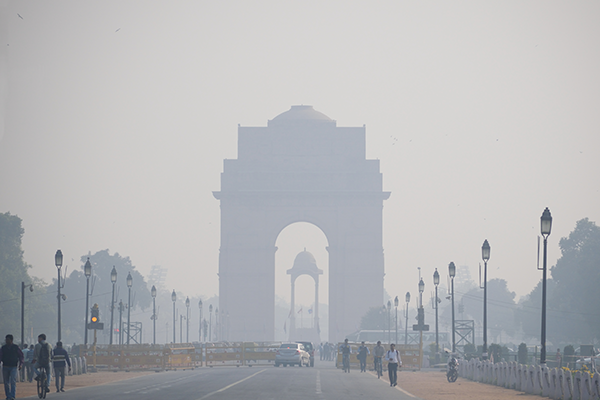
x,y
292,354
310,349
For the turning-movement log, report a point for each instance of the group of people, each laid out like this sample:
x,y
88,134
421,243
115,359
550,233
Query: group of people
x,y
327,351
32,360
392,356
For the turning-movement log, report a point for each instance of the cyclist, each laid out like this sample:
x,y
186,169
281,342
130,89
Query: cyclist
x,y
394,361
378,352
346,351
42,354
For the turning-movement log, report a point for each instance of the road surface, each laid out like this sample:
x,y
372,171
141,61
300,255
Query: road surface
x,y
244,383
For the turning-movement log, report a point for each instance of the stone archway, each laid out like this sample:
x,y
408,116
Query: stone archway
x,y
301,167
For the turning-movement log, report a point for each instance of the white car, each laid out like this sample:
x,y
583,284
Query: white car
x,y
292,354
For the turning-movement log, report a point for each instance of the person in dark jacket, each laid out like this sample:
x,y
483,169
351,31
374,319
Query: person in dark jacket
x,y
60,359
12,361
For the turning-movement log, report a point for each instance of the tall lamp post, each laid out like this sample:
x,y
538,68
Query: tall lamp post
x,y
396,301
389,308
452,273
113,279
217,325
87,270
407,298
153,293
200,321
174,298
23,286
485,255
58,261
129,284
546,227
187,319
436,282
210,323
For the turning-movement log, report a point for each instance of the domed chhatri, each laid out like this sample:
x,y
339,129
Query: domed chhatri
x,y
301,115
305,260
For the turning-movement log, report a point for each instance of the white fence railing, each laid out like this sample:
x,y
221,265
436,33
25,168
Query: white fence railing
x,y
555,383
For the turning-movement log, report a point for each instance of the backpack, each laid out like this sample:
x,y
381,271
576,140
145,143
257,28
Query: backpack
x,y
44,359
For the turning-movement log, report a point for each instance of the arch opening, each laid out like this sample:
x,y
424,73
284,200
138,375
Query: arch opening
x,y
307,318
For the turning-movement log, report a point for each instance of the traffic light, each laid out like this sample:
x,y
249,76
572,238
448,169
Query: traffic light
x,y
95,319
95,314
420,325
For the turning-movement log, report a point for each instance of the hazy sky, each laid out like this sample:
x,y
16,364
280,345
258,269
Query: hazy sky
x,y
117,116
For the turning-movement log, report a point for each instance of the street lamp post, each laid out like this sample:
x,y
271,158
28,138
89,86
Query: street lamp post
x,y
58,260
129,284
407,298
187,319
217,325
389,308
210,323
452,273
546,228
87,270
200,321
396,301
174,298
153,293
113,279
436,282
23,286
485,255
121,308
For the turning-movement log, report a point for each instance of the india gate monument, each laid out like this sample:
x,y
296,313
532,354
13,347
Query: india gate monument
x,y
301,167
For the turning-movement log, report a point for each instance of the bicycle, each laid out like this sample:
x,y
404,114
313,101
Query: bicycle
x,y
378,367
42,383
346,362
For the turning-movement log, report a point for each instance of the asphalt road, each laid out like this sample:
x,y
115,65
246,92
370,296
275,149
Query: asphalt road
x,y
244,383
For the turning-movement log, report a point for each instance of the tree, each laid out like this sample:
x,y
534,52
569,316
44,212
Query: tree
x,y
13,271
375,319
572,293
101,292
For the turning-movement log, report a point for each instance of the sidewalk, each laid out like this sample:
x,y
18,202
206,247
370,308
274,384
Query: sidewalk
x,y
26,389
433,385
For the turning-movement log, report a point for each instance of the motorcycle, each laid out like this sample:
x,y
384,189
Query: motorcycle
x,y
452,373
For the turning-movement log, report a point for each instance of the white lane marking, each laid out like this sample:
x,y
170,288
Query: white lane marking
x,y
318,382
230,386
397,387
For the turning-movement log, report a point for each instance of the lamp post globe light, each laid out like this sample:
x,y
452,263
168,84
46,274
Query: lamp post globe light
x,y
187,319
113,279
174,298
129,284
87,271
210,323
396,301
200,321
58,260
407,298
485,255
546,228
452,273
436,282
153,294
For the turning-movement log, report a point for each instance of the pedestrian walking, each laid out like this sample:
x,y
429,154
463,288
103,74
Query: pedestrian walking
x,y
23,371
60,360
29,363
12,361
363,352
394,361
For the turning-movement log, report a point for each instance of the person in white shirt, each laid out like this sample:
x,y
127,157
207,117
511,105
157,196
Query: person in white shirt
x,y
393,358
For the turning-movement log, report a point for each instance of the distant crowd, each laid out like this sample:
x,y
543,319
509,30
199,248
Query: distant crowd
x,y
327,351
